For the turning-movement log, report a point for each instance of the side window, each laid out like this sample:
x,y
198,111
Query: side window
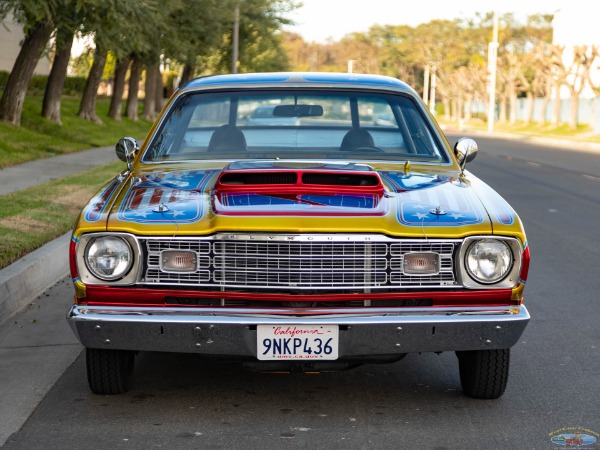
x,y
376,115
375,112
212,112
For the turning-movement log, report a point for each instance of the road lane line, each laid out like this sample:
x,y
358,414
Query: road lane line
x,y
590,177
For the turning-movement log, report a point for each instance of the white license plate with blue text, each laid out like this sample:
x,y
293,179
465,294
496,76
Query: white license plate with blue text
x,y
284,342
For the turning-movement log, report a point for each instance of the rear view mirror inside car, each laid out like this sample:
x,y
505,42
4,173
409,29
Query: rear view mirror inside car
x,y
298,111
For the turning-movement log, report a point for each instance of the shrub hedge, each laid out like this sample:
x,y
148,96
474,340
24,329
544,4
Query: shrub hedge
x,y
73,85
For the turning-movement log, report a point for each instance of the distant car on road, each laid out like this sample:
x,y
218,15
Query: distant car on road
x,y
350,235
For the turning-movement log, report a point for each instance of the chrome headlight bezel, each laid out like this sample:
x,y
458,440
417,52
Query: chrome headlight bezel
x,y
507,281
89,276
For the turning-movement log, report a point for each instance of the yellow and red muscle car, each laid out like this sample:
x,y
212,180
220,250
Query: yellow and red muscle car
x,y
341,229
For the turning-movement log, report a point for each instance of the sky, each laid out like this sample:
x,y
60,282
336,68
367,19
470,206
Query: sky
x,y
318,20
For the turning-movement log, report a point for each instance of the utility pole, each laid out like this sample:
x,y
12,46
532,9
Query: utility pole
x,y
236,39
350,65
492,64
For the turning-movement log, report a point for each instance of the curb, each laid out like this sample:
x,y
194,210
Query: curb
x,y
29,277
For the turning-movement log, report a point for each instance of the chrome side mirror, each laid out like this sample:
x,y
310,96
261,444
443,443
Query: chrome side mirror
x,y
126,149
465,150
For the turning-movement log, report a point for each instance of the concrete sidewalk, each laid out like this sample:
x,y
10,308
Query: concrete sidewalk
x,y
27,278
36,344
22,176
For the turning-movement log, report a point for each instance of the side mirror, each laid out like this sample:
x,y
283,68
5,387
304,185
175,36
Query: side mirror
x,y
126,149
465,150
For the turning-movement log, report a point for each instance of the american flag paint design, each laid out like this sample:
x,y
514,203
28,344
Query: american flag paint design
x,y
166,198
417,195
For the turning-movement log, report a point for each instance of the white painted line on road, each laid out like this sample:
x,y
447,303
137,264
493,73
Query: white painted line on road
x,y
590,177
534,164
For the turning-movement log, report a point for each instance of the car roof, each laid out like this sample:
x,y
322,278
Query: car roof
x,y
299,79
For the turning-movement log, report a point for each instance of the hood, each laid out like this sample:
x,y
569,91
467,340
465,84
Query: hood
x,y
302,197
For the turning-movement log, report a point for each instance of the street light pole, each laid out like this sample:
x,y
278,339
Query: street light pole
x,y
492,64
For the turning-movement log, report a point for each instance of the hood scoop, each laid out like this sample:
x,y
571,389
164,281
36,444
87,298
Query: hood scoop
x,y
299,178
311,191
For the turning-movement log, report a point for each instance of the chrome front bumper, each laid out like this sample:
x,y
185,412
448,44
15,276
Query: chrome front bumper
x,y
232,332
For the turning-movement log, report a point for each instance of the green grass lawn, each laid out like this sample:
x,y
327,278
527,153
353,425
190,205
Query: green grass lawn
x,y
583,133
34,216
39,138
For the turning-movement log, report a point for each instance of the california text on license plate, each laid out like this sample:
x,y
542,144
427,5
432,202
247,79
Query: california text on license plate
x,y
297,342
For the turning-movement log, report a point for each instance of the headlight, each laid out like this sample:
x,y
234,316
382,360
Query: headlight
x,y
109,257
488,260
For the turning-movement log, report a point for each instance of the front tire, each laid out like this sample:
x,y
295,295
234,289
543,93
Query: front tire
x,y
484,373
109,372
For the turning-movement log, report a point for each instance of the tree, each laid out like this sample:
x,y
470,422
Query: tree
x,y
116,101
87,106
37,19
194,30
121,26
149,112
68,17
56,80
578,76
135,75
261,46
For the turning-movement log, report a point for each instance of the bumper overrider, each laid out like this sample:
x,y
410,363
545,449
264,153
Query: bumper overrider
x,y
364,331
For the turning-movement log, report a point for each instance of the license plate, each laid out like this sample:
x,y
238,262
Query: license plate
x,y
315,342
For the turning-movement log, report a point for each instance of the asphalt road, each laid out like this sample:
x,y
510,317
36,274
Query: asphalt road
x,y
181,401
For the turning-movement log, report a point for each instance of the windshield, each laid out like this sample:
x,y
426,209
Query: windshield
x,y
295,124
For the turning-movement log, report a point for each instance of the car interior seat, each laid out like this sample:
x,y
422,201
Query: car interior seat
x,y
227,138
356,138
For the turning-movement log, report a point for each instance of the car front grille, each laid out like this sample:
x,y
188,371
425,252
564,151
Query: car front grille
x,y
300,262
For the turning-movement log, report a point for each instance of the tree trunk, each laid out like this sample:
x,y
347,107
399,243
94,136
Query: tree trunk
x,y
188,74
134,83
513,104
447,113
502,114
56,79
11,103
546,101
529,110
454,107
87,107
149,111
544,108
116,101
469,108
159,93
574,111
556,115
